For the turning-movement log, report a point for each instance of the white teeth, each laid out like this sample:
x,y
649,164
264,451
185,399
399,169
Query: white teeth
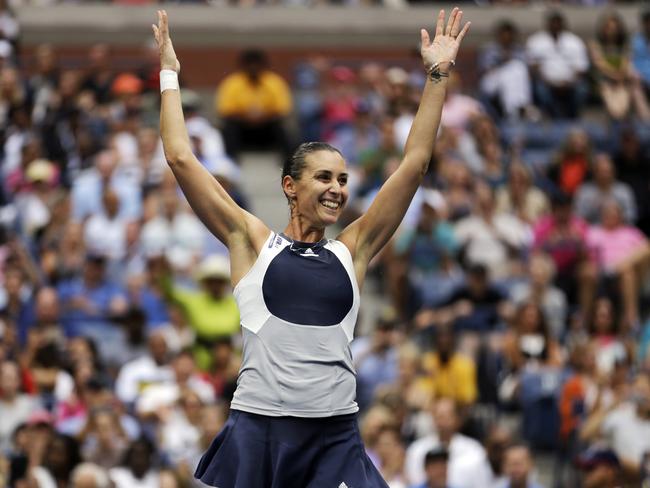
x,y
330,204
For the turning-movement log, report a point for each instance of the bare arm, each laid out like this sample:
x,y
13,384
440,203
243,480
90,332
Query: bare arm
x,y
211,203
366,236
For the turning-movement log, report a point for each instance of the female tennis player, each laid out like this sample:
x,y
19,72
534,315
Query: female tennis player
x,y
293,417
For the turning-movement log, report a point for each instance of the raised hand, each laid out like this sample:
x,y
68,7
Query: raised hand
x,y
445,45
168,58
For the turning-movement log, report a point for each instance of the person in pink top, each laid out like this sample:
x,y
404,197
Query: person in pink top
x,y
623,253
561,235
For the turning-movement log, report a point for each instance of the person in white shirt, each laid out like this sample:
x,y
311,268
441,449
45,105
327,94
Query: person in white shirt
x,y
145,371
558,60
468,464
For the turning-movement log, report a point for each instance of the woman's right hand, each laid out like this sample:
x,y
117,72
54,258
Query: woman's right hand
x,y
168,58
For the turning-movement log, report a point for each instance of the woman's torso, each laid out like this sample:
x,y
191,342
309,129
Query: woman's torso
x,y
298,304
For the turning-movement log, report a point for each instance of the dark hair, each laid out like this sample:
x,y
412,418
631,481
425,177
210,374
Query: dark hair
x,y
436,455
506,25
253,56
621,36
296,163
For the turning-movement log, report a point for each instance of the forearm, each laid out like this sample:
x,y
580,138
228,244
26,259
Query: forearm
x,y
422,136
176,142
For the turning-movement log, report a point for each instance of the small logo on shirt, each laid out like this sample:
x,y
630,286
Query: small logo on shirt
x,y
343,485
310,254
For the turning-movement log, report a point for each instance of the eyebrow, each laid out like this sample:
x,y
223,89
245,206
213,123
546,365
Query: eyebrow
x,y
327,172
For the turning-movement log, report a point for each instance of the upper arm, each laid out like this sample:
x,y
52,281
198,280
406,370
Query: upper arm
x,y
212,204
367,235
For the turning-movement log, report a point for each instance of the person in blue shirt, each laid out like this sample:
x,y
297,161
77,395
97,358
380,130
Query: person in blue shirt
x,y
90,299
641,49
435,467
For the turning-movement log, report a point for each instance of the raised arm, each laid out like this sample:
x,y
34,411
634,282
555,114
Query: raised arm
x,y
366,236
217,210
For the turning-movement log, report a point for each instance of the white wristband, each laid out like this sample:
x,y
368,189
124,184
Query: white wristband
x,y
168,80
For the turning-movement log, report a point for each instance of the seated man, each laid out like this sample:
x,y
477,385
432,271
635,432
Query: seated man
x,y
252,103
558,62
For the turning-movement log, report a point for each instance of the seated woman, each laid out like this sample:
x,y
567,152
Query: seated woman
x,y
618,84
623,256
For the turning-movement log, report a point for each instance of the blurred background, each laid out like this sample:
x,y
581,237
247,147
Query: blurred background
x,y
504,336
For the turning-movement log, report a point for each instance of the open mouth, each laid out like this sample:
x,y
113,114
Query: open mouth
x,y
330,204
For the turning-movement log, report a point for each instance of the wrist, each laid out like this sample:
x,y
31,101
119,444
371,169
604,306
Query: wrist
x,y
439,70
168,80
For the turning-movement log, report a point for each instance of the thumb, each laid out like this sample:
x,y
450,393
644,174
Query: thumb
x,y
424,35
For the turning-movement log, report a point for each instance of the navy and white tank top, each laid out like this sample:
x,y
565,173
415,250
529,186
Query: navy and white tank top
x,y
298,306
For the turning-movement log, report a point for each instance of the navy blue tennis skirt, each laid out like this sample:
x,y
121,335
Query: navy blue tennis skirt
x,y
256,451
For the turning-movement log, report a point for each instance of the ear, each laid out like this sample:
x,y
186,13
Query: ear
x,y
289,187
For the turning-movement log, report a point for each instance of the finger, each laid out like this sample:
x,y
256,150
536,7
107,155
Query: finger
x,y
463,32
424,35
456,27
155,32
441,23
450,22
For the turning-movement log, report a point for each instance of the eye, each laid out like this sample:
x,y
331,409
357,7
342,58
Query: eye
x,y
323,177
343,180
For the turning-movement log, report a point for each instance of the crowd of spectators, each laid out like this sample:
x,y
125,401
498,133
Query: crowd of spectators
x,y
515,326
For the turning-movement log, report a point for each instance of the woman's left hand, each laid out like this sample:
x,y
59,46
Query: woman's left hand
x,y
445,44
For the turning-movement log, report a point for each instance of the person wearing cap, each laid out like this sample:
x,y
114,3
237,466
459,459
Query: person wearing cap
x,y
299,292
211,311
253,103
601,467
91,299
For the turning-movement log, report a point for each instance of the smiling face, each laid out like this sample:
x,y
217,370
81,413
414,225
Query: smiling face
x,y
319,196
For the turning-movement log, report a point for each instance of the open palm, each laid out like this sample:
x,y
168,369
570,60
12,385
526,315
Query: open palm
x,y
168,58
445,44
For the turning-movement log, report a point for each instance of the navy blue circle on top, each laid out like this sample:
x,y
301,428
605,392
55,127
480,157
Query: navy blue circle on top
x,y
308,286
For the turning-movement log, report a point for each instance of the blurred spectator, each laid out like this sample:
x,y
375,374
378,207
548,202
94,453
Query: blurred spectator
x,y
375,359
641,49
633,168
88,188
539,289
427,252
99,76
494,240
390,451
622,253
602,468
210,311
474,306
452,374
436,464
90,299
496,442
562,236
518,467
468,465
520,196
138,469
459,109
15,406
505,82
558,61
573,162
59,457
89,475
618,84
609,349
625,425
144,371
103,440
253,103
591,195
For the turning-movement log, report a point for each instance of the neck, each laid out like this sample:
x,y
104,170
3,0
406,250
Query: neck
x,y
299,230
